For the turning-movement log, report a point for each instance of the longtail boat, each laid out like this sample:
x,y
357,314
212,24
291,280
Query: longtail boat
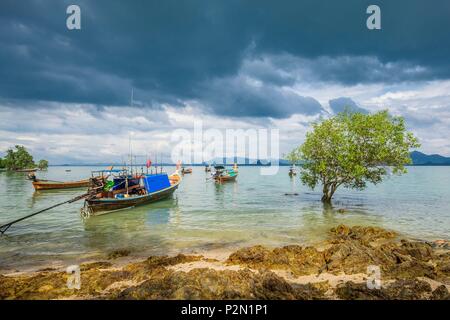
x,y
186,171
156,187
292,171
221,175
39,184
27,170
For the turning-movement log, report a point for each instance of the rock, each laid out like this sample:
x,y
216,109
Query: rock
x,y
364,234
299,260
401,289
440,293
154,264
250,256
118,253
349,250
95,265
441,244
213,284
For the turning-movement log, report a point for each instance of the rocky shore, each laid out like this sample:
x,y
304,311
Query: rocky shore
x,y
336,269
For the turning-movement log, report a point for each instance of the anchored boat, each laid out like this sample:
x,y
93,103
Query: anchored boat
x,y
117,195
292,171
222,175
39,184
186,170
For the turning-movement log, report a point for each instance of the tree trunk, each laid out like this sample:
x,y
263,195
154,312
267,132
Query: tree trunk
x,y
328,192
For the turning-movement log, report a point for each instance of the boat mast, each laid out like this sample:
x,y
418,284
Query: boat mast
x,y
129,137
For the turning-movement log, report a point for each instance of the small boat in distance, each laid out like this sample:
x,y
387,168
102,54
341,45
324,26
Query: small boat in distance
x,y
186,170
292,171
27,170
222,175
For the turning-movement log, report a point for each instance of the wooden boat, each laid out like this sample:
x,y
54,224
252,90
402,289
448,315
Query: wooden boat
x,y
292,171
186,171
207,169
109,201
27,170
222,175
50,184
226,178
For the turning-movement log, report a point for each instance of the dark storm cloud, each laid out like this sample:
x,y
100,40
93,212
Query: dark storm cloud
x,y
242,97
169,50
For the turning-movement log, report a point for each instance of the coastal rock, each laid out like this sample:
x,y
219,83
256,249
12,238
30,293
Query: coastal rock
x,y
401,289
404,264
155,264
118,254
299,260
213,284
440,293
363,234
95,265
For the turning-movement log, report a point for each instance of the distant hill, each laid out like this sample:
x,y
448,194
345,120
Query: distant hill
x,y
418,158
421,159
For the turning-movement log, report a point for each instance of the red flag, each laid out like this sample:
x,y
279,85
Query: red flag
x,y
149,163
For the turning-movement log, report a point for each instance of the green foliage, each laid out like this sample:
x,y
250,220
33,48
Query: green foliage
x,y
18,158
352,149
42,164
2,163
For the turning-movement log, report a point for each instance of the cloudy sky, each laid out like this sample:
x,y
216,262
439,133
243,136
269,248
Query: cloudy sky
x,y
65,94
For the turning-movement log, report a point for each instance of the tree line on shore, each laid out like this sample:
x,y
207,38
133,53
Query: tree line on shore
x,y
18,158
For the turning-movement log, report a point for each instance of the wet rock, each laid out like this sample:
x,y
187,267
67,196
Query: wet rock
x,y
45,285
364,234
118,254
440,244
155,264
95,265
399,290
418,250
349,250
440,293
53,285
299,260
213,284
251,256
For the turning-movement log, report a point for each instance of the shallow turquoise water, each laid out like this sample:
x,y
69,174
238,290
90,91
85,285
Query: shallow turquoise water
x,y
202,215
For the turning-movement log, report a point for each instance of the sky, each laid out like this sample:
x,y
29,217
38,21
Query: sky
x,y
65,94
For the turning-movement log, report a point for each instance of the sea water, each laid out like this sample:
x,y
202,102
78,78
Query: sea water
x,y
202,215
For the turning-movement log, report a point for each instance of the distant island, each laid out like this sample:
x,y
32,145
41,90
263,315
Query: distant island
x,y
418,159
422,159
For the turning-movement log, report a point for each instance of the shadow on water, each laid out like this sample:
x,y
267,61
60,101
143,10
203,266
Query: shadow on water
x,y
134,228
